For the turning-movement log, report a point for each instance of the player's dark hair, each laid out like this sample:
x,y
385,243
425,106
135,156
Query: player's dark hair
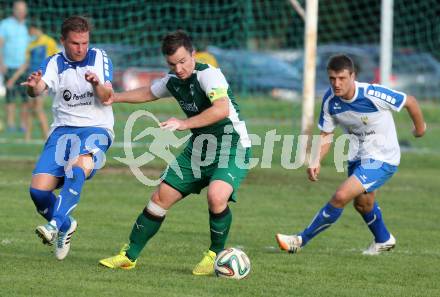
x,y
75,23
174,40
340,62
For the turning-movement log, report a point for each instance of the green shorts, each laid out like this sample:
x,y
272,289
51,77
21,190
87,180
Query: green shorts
x,y
17,91
193,170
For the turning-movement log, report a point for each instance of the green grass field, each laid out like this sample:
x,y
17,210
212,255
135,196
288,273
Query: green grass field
x,y
270,201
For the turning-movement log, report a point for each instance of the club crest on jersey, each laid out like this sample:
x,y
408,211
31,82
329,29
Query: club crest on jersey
x,y
364,120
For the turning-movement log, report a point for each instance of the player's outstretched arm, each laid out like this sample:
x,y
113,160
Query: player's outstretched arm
x,y
34,84
217,112
102,91
314,169
416,115
139,95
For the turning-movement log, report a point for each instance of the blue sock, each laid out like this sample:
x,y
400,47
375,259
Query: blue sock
x,y
376,225
69,197
44,202
323,219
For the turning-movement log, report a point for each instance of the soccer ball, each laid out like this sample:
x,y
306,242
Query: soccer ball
x,y
232,263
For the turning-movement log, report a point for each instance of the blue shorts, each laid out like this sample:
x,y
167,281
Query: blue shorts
x,y
66,143
371,173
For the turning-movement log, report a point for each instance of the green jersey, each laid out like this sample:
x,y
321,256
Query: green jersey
x,y
197,93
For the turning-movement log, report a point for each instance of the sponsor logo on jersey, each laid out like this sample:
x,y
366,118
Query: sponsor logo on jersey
x,y
85,95
76,99
189,106
67,95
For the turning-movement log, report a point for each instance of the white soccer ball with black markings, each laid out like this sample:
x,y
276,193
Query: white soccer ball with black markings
x,y
232,263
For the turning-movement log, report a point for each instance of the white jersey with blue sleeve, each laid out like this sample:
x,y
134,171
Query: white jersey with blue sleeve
x,y
74,103
368,119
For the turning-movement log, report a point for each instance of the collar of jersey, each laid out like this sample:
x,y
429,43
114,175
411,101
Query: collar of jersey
x,y
83,62
181,81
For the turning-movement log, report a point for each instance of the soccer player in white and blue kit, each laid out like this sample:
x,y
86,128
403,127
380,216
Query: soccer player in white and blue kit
x,y
364,111
82,130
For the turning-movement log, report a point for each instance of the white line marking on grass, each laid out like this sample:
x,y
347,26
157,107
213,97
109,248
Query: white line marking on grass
x,y
272,249
6,241
14,183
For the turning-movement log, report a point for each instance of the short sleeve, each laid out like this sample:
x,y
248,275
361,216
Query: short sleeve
x,y
386,98
326,122
213,83
159,87
49,68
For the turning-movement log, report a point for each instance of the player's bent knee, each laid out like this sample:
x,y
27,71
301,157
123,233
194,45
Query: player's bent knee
x,y
156,199
160,201
340,199
217,202
219,193
85,162
166,196
45,182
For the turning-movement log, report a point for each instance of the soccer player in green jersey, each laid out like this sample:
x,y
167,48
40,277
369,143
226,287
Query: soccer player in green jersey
x,y
212,116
